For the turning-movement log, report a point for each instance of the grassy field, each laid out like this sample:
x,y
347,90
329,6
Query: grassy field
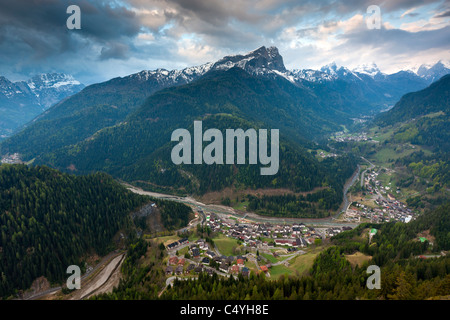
x,y
297,266
269,257
381,134
183,251
277,271
357,258
168,239
388,155
387,178
225,244
241,205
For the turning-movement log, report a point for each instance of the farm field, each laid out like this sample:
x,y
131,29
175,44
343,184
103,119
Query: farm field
x,y
225,245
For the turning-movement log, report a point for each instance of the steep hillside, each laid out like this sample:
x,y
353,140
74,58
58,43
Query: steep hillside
x,y
435,98
50,220
139,149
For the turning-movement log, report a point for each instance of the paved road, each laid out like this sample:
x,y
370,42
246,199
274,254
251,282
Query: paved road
x,y
289,257
347,186
83,277
362,174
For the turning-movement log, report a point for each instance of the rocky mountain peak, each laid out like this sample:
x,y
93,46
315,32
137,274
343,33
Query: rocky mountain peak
x,y
259,61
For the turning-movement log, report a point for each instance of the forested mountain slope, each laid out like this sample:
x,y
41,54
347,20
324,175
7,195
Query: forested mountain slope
x,y
50,220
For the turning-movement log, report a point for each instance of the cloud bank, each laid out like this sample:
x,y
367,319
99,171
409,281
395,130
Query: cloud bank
x,y
122,37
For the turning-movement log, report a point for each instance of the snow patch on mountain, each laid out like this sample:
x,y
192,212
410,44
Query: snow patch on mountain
x,y
42,90
370,69
433,72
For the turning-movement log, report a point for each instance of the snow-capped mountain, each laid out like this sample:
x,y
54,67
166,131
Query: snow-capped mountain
x,y
257,62
434,72
172,77
53,87
365,81
42,90
21,101
267,62
11,90
370,69
260,62
340,72
312,75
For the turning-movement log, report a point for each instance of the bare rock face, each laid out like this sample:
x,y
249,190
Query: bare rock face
x,y
260,61
39,285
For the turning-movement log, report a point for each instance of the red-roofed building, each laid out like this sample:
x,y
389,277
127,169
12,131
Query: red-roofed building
x,y
235,269
264,269
173,260
240,262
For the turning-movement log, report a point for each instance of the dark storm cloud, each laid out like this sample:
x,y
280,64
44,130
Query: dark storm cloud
x,y
386,6
131,35
114,51
251,21
39,27
396,41
443,15
412,14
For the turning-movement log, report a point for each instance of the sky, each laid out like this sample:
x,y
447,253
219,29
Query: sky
x,y
121,37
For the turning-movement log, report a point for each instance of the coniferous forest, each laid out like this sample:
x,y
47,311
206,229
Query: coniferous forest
x,y
50,220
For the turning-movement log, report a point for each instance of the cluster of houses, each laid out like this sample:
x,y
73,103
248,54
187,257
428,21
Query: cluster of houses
x,y
375,186
389,208
327,155
177,244
263,235
392,209
341,137
12,159
204,259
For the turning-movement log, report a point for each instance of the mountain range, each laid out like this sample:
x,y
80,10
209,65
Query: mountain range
x,y
21,101
123,126
348,93
434,72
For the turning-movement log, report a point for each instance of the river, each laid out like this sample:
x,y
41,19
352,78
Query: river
x,y
324,222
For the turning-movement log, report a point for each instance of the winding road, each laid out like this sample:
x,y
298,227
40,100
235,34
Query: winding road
x,y
327,222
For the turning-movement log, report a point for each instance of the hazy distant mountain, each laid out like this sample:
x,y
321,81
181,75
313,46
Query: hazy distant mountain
x,y
21,101
435,98
370,69
53,87
434,72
